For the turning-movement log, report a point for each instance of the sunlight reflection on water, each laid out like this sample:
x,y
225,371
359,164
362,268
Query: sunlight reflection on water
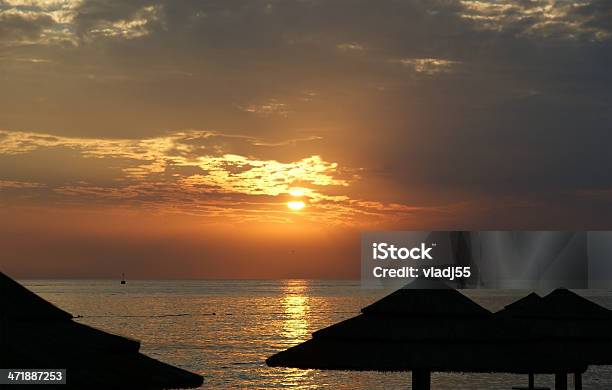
x,y
296,310
295,323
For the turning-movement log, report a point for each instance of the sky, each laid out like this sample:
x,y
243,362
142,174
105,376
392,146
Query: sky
x,y
164,139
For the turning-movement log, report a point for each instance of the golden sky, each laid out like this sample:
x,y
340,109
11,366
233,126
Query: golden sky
x,y
258,138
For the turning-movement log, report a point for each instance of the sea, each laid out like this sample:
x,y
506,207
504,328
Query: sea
x,y
225,329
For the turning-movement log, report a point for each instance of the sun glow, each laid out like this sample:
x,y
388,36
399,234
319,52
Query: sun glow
x,y
296,205
297,191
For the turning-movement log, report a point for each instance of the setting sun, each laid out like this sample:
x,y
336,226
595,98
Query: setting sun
x,y
296,205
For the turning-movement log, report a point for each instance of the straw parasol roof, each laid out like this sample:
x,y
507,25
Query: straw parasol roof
x,y
522,307
559,304
20,304
37,334
567,320
568,324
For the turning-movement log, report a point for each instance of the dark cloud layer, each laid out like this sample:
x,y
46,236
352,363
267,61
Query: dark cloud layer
x,y
15,26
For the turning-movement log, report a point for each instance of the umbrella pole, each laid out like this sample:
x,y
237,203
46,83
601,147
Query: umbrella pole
x,y
561,381
421,380
578,381
531,381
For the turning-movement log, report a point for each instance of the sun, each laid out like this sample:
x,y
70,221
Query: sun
x,y
296,205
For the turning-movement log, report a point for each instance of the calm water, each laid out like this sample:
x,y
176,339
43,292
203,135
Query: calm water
x,y
224,330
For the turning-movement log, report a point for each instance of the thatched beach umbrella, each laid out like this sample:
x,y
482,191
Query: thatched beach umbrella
x,y
568,323
36,334
508,313
421,330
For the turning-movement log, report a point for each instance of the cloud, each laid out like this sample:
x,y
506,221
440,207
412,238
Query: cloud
x,y
36,22
8,184
21,26
201,149
351,46
585,19
191,172
271,107
259,24
112,20
429,66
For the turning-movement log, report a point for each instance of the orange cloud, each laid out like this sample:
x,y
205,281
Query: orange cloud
x,y
191,172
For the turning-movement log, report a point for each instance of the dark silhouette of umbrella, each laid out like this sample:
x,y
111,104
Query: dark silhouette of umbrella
x,y
422,330
37,334
516,309
568,323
